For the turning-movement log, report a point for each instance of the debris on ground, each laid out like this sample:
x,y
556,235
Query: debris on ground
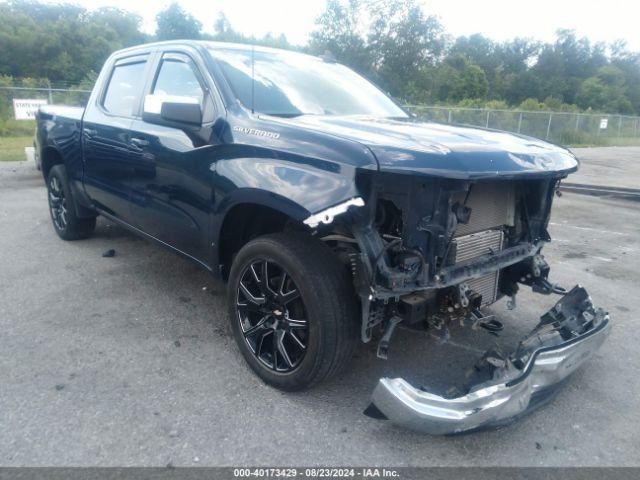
x,y
109,253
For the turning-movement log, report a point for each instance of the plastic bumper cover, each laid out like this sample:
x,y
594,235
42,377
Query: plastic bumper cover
x,y
564,339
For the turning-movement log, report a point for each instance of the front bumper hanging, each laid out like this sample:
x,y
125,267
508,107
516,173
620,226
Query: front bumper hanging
x,y
569,334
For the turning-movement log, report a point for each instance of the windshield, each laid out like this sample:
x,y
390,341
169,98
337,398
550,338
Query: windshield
x,y
291,84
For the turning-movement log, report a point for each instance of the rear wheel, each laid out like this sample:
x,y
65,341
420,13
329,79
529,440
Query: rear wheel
x,y
66,223
292,310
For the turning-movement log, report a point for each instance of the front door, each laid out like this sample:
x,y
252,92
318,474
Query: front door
x,y
171,178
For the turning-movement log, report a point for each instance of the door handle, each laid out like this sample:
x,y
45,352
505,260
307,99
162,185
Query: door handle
x,y
139,142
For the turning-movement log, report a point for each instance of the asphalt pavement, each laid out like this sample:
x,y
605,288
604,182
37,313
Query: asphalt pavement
x,y
129,360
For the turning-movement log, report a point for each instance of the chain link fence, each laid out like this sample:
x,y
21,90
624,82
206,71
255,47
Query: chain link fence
x,y
10,126
66,96
565,128
18,102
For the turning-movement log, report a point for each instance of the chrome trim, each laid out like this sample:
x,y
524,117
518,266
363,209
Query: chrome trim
x,y
495,402
326,216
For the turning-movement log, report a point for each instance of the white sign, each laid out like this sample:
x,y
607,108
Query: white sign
x,y
603,123
26,108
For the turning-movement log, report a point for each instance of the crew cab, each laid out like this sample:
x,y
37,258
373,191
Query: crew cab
x,y
332,213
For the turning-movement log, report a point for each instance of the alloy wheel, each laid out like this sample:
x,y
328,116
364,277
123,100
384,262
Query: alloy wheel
x,y
272,316
57,203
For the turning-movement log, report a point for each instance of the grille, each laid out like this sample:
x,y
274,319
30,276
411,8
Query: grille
x,y
473,246
492,204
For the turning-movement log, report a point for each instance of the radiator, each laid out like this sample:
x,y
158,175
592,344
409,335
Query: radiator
x,y
472,246
492,204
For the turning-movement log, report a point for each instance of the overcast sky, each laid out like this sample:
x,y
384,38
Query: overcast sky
x,y
498,19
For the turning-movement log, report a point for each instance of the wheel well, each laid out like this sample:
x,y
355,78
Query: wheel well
x,y
245,222
50,157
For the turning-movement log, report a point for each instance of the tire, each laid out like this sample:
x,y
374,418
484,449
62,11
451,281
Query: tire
x,y
62,208
322,317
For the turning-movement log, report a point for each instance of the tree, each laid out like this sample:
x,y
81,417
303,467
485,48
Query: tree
x,y
458,79
388,41
562,66
629,63
61,42
606,92
404,40
338,34
484,53
395,43
174,23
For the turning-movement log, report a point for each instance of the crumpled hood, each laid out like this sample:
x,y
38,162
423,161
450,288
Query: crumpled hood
x,y
411,146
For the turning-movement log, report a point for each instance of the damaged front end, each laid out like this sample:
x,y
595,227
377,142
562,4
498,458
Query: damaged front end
x,y
425,252
564,339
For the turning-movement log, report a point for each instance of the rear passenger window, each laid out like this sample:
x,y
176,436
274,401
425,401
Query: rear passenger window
x,y
124,89
177,78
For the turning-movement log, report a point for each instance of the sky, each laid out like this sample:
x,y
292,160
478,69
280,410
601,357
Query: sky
x,y
496,19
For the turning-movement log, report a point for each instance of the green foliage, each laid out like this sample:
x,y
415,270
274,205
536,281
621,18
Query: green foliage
x,y
338,35
61,42
174,23
394,43
458,79
605,91
406,52
393,47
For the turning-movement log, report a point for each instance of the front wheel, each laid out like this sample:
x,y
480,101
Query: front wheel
x,y
66,222
292,309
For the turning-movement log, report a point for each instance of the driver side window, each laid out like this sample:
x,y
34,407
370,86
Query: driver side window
x,y
177,78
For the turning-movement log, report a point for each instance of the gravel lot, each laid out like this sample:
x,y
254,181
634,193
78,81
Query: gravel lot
x,y
129,361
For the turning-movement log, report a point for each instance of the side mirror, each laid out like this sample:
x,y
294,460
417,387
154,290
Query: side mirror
x,y
172,110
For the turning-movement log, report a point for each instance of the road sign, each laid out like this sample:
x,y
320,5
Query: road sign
x,y
26,108
603,123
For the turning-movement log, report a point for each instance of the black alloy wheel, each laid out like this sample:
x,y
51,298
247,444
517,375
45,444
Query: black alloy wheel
x,y
292,309
272,316
64,212
57,203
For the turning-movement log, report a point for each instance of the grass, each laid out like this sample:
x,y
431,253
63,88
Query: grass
x,y
609,142
12,148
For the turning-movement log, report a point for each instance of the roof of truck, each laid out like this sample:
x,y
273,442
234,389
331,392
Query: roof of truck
x,y
208,45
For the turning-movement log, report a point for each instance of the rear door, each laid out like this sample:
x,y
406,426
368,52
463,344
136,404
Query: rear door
x,y
106,135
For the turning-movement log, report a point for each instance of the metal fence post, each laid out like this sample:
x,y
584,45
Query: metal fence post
x,y
50,95
520,122
620,126
549,125
577,121
449,117
488,113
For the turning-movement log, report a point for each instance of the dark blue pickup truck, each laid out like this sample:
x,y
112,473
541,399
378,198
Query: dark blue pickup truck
x,y
332,213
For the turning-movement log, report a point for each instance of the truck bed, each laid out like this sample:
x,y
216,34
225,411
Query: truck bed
x,y
60,112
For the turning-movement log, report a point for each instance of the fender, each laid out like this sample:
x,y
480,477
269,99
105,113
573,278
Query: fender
x,y
60,135
295,185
